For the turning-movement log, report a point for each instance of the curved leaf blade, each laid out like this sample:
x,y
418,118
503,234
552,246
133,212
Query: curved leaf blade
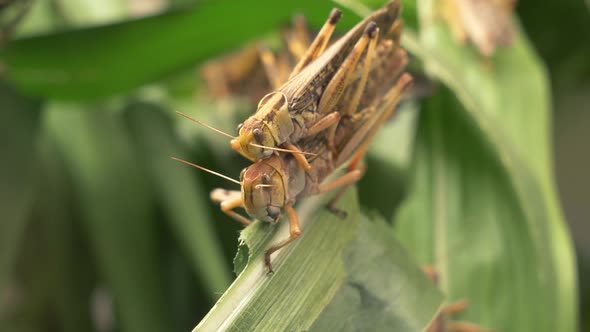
x,y
505,150
115,58
312,275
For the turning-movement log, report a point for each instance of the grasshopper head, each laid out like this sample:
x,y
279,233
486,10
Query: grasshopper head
x,y
253,131
263,191
270,126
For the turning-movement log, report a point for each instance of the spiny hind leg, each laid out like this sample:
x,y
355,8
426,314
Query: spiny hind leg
x,y
230,199
319,43
294,232
344,76
389,103
370,129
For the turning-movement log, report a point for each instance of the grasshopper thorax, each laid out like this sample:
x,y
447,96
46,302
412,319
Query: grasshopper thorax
x,y
263,190
270,126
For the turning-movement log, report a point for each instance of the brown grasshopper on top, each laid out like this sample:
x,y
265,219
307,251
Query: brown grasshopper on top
x,y
368,98
305,104
273,184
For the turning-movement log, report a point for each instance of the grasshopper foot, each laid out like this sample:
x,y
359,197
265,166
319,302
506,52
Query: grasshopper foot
x,y
268,263
337,212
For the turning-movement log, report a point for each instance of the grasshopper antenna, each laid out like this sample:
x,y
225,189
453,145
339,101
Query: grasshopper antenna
x,y
206,170
204,125
233,137
264,185
283,150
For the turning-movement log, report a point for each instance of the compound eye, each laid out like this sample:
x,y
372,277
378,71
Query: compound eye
x,y
240,127
266,178
258,136
273,212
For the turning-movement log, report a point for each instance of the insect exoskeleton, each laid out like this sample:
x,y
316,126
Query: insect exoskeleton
x,y
305,104
275,183
270,126
360,78
268,185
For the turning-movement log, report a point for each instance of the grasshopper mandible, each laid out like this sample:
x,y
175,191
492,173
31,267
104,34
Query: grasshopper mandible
x,y
305,104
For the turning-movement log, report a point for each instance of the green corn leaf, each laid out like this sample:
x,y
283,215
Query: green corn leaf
x,y
325,278
483,208
115,58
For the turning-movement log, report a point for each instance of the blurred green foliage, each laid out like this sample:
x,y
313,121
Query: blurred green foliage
x,y
100,230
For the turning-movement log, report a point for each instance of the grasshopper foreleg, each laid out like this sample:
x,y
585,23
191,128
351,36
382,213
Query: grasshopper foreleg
x,y
294,232
324,123
230,199
299,157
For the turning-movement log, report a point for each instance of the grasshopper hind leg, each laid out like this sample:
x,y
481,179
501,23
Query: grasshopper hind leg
x,y
319,43
389,104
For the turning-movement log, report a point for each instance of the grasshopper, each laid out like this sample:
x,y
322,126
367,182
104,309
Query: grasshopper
x,y
274,183
305,104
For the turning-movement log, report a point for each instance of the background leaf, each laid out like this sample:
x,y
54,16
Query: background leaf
x,y
115,58
18,126
117,236
483,173
116,204
177,189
